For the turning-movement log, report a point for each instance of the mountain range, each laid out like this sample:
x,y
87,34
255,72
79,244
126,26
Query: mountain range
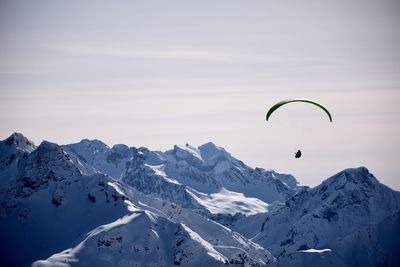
x,y
88,204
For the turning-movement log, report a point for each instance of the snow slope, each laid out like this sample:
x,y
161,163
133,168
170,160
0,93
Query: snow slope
x,y
234,246
374,245
139,239
228,202
143,239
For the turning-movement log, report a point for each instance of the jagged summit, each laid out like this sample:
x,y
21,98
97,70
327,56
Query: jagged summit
x,y
207,154
92,141
48,146
94,144
19,141
188,153
213,154
352,176
209,146
16,136
12,150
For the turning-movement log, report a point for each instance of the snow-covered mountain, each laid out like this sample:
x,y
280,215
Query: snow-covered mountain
x,y
314,217
206,178
56,198
145,239
51,201
87,204
159,242
110,161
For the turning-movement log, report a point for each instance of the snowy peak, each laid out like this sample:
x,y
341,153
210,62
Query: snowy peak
x,y
349,182
213,154
46,147
209,148
12,150
351,178
49,163
95,145
110,161
88,150
206,155
356,188
50,154
14,147
189,153
19,141
351,199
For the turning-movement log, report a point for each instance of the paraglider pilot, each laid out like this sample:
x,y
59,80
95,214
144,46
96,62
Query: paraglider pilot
x,y
287,101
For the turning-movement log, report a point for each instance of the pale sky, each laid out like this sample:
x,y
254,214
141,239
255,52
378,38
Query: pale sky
x,y
159,73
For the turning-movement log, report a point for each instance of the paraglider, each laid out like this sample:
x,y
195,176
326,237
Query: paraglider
x,y
287,101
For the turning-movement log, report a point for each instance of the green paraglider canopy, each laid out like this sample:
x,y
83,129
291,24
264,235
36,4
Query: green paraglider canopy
x,y
287,101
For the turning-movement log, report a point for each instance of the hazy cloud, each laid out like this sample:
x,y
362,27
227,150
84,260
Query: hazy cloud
x,y
176,54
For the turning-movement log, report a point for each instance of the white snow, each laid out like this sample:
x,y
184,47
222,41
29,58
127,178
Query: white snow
x,y
116,187
229,202
313,250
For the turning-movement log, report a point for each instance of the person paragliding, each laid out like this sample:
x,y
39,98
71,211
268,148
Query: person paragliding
x,y
287,101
